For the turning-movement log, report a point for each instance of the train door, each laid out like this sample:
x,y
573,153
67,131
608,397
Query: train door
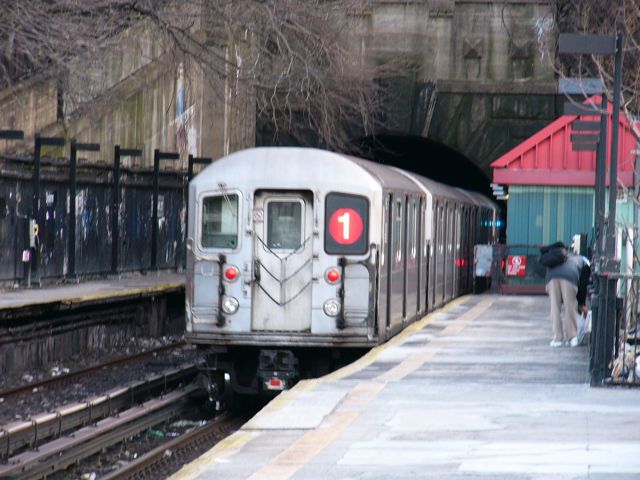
x,y
464,239
440,253
411,259
431,287
421,303
282,257
386,262
449,260
473,241
396,264
457,245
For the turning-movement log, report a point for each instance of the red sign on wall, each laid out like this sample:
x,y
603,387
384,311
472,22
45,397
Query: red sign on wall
x,y
516,266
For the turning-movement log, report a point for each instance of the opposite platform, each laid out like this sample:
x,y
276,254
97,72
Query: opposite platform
x,y
472,391
93,291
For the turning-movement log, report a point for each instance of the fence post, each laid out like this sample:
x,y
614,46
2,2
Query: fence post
x,y
157,156
73,187
118,153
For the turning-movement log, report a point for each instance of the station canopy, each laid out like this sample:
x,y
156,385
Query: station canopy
x,y
548,157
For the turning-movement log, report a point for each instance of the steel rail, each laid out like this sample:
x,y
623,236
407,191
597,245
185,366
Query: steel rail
x,y
12,392
157,459
31,433
67,450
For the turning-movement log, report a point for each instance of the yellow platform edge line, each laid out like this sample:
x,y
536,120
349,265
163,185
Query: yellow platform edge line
x,y
219,452
375,352
225,449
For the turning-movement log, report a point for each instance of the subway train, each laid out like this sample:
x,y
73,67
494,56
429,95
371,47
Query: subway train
x,y
299,257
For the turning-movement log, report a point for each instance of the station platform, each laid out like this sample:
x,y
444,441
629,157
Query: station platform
x,y
472,391
91,292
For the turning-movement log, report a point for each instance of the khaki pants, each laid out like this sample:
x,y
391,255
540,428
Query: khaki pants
x,y
563,292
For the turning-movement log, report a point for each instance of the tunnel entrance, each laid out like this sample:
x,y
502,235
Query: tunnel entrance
x,y
433,160
428,158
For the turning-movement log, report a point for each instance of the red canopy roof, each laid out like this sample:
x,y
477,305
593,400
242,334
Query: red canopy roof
x,y
547,157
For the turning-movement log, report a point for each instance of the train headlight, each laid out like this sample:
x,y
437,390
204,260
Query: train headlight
x,y
230,305
331,307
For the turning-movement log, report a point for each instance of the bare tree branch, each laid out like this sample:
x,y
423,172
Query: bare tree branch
x,y
289,57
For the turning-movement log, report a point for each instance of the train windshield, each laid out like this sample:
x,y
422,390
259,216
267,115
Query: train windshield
x,y
284,224
220,221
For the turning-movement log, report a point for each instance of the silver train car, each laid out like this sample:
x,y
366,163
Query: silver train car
x,y
297,256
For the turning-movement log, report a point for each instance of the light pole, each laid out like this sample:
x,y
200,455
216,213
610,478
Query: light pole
x,y
604,301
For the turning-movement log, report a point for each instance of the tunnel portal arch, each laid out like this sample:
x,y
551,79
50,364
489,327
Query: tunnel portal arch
x,y
426,157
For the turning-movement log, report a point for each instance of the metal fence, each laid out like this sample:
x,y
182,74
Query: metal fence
x,y
90,253
614,349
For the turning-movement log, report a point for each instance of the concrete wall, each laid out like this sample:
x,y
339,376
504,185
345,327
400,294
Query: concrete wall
x,y
138,98
30,107
476,81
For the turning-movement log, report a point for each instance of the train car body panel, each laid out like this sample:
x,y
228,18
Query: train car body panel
x,y
280,288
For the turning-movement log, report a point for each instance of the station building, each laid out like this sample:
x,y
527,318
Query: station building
x,y
551,189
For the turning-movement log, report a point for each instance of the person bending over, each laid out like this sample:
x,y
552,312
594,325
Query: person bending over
x,y
566,283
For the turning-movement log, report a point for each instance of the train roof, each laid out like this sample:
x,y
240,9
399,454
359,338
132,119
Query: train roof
x,y
479,199
267,164
282,165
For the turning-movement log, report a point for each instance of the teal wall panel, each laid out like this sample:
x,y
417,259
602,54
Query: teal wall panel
x,y
539,214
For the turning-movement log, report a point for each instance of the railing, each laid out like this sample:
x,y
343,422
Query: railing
x,y
615,353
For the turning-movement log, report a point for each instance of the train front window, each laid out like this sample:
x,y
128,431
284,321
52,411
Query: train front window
x,y
284,224
220,221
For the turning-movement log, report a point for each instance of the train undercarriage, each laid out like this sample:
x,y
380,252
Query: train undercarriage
x,y
250,371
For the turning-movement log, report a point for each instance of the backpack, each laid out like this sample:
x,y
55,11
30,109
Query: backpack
x,y
553,257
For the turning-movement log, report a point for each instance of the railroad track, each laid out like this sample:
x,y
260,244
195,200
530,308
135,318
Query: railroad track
x,y
17,436
66,450
69,377
169,456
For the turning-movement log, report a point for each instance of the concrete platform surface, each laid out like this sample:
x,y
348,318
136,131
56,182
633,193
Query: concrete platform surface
x,y
94,290
472,391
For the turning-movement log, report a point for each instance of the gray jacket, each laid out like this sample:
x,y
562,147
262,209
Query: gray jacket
x,y
576,270
569,270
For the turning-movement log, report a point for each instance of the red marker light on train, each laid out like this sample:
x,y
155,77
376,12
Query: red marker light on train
x,y
231,273
275,384
332,275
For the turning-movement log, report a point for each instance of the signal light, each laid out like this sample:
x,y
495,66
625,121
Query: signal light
x,y
275,383
332,276
231,273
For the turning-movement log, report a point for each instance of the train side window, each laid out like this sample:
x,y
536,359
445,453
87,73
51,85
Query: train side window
x,y
412,229
423,227
385,230
398,231
219,227
449,229
284,224
434,229
440,229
